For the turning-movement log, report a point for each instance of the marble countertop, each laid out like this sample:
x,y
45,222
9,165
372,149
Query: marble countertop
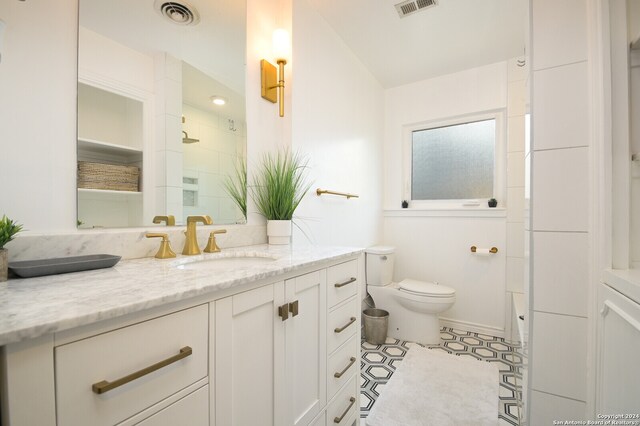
x,y
34,307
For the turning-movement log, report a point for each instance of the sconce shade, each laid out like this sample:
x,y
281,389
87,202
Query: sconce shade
x,y
281,45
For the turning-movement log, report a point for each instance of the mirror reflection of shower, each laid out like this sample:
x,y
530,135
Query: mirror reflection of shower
x,y
213,114
186,138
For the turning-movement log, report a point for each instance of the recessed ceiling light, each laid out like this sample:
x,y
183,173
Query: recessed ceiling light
x,y
218,100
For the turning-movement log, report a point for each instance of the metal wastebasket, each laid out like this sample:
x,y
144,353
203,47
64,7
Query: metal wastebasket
x,y
376,323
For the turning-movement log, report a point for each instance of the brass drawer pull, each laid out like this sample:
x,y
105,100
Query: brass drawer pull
x,y
293,308
341,329
105,386
349,281
352,400
283,311
338,375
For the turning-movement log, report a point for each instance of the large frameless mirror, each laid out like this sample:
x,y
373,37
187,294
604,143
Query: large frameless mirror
x,y
161,110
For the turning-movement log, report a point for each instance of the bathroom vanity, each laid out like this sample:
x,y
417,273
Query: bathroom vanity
x,y
251,336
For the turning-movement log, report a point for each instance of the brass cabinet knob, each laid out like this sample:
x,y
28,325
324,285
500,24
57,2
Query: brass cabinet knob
x,y
164,252
212,246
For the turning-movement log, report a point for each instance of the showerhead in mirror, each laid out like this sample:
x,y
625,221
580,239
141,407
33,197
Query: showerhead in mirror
x,y
187,139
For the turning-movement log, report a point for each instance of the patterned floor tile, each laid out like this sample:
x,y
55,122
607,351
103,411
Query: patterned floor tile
x,y
380,361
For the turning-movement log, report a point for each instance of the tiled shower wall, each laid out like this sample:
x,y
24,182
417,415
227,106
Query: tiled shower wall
x,y
517,72
559,226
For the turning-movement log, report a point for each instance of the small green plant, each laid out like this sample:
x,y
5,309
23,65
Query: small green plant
x,y
236,187
8,229
279,184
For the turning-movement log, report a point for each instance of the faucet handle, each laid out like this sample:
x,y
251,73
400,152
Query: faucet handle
x,y
170,220
164,252
212,246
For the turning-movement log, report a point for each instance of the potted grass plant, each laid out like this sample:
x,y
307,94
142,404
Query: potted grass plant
x,y
278,186
8,230
236,188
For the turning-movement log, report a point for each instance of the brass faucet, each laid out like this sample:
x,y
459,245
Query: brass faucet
x,y
191,243
169,220
164,252
212,246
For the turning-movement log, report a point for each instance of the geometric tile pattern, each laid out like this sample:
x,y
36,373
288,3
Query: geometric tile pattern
x,y
380,361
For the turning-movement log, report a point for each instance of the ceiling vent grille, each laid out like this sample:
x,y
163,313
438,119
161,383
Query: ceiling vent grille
x,y
410,7
180,13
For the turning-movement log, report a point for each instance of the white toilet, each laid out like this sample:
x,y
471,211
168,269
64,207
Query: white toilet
x,y
413,306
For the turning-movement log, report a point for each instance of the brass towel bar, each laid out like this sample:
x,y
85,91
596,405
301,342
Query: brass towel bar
x,y
493,250
319,192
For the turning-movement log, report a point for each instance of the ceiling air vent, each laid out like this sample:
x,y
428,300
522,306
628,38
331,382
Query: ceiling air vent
x,y
180,13
410,7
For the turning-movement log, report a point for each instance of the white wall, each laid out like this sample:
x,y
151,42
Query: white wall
x,y
266,131
560,216
435,246
38,80
475,90
337,123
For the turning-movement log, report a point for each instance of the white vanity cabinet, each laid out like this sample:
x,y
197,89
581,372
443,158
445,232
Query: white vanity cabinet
x,y
105,379
270,347
275,351
343,344
618,340
283,352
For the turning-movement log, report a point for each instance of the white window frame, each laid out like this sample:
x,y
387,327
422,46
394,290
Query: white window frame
x,y
500,161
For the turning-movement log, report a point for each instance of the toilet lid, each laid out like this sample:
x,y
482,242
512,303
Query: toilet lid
x,y
427,289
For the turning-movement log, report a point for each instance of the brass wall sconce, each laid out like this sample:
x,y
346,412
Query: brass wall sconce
x,y
272,79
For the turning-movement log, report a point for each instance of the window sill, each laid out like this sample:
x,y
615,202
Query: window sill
x,y
447,212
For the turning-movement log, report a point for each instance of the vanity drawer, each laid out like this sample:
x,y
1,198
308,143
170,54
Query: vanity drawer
x,y
193,410
344,362
342,323
342,282
344,406
177,344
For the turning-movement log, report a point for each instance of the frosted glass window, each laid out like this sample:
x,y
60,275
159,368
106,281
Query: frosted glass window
x,y
453,162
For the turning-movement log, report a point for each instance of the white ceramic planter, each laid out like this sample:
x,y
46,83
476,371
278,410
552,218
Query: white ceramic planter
x,y
279,232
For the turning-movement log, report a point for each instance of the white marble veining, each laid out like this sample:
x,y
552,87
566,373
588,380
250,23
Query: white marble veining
x,y
33,307
128,243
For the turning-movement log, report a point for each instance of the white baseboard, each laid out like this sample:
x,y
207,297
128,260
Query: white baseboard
x,y
473,327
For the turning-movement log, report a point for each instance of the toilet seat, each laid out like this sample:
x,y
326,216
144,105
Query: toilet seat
x,y
421,288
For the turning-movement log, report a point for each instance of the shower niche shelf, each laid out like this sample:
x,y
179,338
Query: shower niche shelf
x,y
107,192
121,154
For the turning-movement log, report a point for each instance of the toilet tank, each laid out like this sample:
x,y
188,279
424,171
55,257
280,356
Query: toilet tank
x,y
379,264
